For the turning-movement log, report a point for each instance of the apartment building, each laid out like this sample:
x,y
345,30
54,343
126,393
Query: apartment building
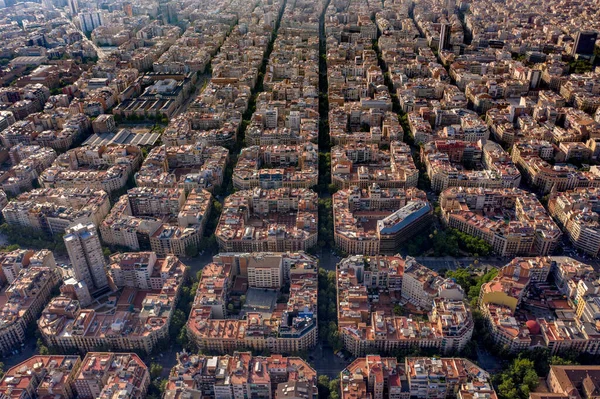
x,y
53,210
508,288
420,285
41,376
563,380
576,212
287,329
374,377
275,166
106,375
459,163
364,329
531,232
373,220
98,167
191,220
380,377
567,334
22,301
361,165
383,126
231,376
164,220
438,378
454,319
265,272
148,201
135,318
86,255
28,161
188,166
533,157
120,227
143,270
12,263
276,220
570,327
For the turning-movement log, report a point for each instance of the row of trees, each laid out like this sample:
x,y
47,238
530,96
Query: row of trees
x,y
450,242
326,223
178,329
473,245
209,241
30,238
328,328
162,119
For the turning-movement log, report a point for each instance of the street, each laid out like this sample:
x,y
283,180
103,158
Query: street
x,y
200,84
25,352
325,362
197,263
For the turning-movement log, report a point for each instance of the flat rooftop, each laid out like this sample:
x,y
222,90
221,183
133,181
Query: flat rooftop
x,y
260,300
124,136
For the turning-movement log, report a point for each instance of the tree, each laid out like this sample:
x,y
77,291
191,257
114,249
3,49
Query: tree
x,y
323,386
445,244
155,370
561,361
1,369
11,247
191,250
326,222
106,252
334,388
462,277
507,389
518,380
209,243
32,238
41,348
177,323
217,207
182,338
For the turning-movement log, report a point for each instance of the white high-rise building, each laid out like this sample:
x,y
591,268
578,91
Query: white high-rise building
x,y
295,120
73,7
90,20
271,116
85,253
